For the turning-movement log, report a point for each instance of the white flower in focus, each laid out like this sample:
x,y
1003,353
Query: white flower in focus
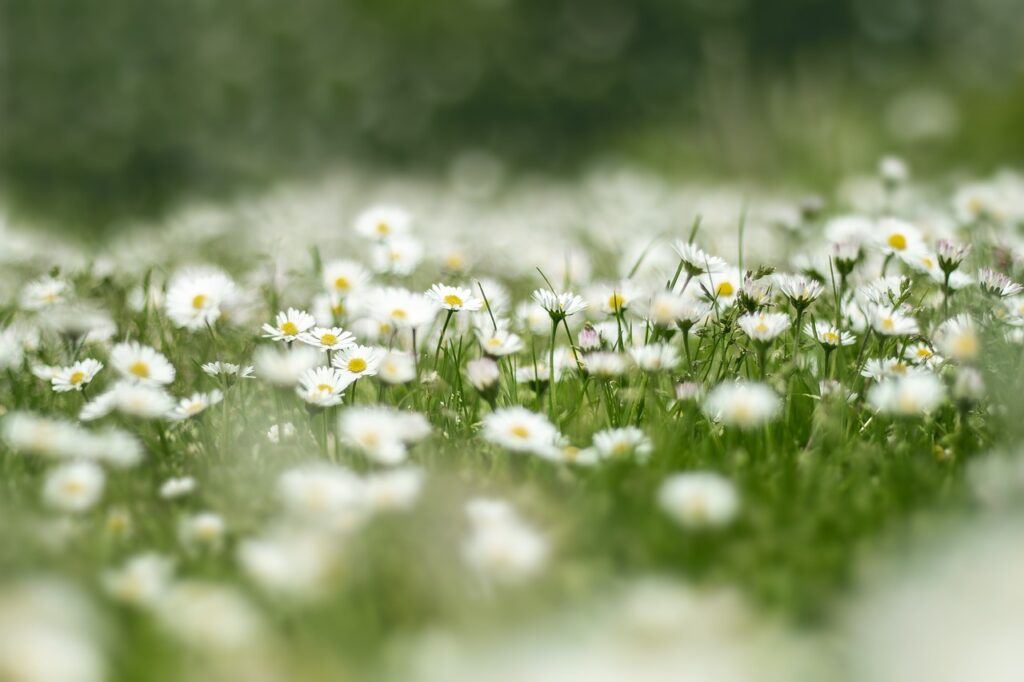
x,y
289,325
743,404
828,335
696,260
220,369
559,306
456,299
895,235
328,338
356,362
699,499
799,289
77,376
74,487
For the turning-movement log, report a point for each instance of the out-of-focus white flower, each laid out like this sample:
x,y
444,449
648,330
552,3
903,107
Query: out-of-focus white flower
x,y
199,297
381,433
173,488
74,487
617,443
141,364
142,580
195,404
204,530
500,546
383,222
913,394
285,367
699,499
520,430
743,404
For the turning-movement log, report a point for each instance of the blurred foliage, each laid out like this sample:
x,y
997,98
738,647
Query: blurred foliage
x,y
117,109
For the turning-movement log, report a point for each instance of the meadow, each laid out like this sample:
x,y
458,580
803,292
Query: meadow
x,y
611,428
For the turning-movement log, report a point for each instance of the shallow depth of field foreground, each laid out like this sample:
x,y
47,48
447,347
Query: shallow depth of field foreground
x,y
713,436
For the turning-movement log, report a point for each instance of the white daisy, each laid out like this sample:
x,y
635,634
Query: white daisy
x,y
499,343
617,443
198,297
892,322
763,327
342,277
397,367
894,235
328,338
742,404
358,361
195,404
382,433
958,339
400,308
696,260
699,499
913,394
74,487
398,255
559,306
519,430
218,369
44,293
283,367
141,364
289,325
173,488
323,386
456,299
655,357
77,376
828,335
382,222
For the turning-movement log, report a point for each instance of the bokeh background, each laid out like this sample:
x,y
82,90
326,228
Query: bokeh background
x,y
117,111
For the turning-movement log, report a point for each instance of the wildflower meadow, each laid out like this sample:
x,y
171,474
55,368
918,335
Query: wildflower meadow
x,y
613,429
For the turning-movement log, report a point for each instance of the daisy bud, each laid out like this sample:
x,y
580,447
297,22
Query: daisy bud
x,y
951,255
588,338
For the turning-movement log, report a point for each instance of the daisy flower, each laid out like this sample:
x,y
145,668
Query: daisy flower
x,y
196,297
130,398
721,287
559,306
328,338
696,260
397,367
455,299
342,277
884,290
204,530
499,343
193,405
323,386
77,376
142,580
173,488
951,255
895,235
500,547
284,367
519,430
763,327
358,361
913,394
44,293
401,308
883,368
483,374
383,222
958,339
218,369
997,284
799,289
397,255
892,322
699,499
394,490
289,325
44,372
382,433
613,299
921,353
622,442
605,364
141,364
655,357
743,404
74,487
828,335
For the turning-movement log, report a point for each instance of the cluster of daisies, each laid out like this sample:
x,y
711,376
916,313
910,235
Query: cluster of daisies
x,y
883,316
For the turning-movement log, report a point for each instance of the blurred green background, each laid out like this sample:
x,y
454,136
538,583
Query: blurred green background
x,y
116,110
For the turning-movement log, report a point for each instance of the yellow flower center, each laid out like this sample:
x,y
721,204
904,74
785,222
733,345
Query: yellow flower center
x,y
616,301
454,261
342,283
494,342
888,323
965,346
452,299
399,314
324,388
520,431
337,308
831,337
356,365
198,301
328,339
761,327
923,353
76,377
725,289
139,369
194,408
897,241
73,487
383,228
289,328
